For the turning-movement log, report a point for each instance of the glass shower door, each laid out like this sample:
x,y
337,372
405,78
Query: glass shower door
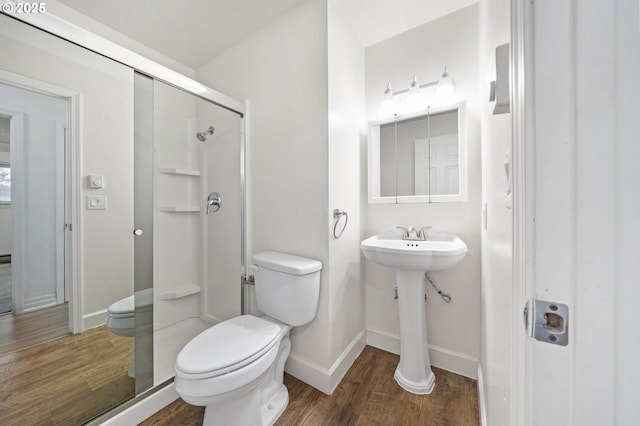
x,y
198,245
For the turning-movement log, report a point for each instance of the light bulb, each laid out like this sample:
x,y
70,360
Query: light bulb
x,y
446,86
388,103
414,97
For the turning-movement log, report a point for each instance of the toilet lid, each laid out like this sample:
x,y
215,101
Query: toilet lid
x,y
226,344
122,306
129,303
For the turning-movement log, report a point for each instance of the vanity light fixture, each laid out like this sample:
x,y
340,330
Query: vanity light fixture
x,y
446,85
412,99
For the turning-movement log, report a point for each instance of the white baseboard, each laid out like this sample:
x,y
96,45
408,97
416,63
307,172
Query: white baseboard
x,y
326,380
481,398
39,302
94,319
385,341
141,410
449,360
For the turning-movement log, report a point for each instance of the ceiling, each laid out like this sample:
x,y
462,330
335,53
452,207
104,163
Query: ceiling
x,y
192,32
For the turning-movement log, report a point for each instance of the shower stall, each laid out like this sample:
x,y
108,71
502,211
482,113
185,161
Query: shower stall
x,y
194,259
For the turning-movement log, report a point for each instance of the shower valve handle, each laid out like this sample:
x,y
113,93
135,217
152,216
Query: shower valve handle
x,y
214,200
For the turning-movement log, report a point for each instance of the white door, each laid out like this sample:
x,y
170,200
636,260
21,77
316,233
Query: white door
x,y
38,123
582,213
436,167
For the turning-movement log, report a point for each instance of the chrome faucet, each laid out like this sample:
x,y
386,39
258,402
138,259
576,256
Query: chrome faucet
x,y
420,235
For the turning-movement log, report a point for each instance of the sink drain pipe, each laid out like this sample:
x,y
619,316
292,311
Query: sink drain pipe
x,y
446,297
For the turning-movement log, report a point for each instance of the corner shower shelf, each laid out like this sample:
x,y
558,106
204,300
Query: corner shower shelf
x,y
179,292
184,172
179,209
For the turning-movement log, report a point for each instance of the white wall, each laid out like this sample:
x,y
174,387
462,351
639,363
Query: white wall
x,y
453,329
106,144
347,130
495,356
282,69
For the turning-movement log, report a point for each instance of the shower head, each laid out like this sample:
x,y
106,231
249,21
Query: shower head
x,y
202,136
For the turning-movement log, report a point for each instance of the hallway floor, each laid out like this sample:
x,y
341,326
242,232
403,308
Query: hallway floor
x,y
22,331
66,381
368,395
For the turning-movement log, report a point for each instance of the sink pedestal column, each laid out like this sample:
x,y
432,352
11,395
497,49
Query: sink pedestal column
x,y
414,370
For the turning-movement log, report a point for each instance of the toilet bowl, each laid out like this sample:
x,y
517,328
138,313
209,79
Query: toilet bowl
x,y
235,369
121,317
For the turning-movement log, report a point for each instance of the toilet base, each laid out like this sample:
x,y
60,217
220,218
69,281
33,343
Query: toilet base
x,y
241,410
274,407
246,409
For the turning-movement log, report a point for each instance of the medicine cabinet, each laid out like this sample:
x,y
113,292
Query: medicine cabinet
x,y
419,157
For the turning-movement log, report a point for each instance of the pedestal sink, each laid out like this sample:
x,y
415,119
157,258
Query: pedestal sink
x,y
411,259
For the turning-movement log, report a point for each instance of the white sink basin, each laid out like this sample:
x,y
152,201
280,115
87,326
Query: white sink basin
x,y
439,251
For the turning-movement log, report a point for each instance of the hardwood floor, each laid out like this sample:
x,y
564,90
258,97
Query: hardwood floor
x,y
368,395
66,381
21,331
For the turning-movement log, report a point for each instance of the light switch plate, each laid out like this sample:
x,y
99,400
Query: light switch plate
x,y
96,202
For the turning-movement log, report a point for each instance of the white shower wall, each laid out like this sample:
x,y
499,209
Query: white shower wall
x,y
220,159
178,254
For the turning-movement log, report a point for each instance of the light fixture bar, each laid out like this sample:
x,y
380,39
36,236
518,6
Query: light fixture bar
x,y
422,86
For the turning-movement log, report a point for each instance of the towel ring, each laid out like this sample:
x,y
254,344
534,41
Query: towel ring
x,y
337,214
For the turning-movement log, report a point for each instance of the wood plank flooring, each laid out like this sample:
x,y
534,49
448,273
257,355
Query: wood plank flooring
x,y
368,395
25,330
66,381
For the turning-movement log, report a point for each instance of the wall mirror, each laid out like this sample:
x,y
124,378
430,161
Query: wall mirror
x,y
419,157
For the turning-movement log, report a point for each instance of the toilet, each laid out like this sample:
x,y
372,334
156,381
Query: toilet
x,y
235,368
121,317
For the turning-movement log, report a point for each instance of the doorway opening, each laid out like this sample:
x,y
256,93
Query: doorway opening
x,y
33,208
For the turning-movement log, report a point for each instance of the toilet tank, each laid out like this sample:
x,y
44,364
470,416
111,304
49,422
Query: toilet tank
x,y
287,286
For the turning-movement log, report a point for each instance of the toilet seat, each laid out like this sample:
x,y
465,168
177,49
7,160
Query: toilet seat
x,y
227,347
121,314
123,308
